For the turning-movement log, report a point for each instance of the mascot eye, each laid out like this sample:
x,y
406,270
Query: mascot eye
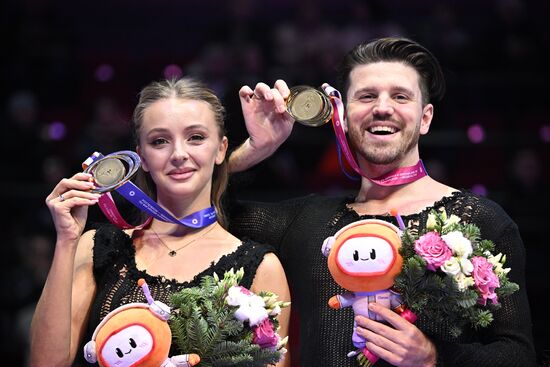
x,y
119,353
355,255
373,254
133,343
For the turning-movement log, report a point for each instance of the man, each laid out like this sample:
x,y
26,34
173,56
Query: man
x,y
388,85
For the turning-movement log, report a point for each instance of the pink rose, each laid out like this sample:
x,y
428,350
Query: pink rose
x,y
264,335
433,250
485,279
244,290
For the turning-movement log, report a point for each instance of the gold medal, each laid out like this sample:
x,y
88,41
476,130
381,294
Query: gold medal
x,y
309,106
109,171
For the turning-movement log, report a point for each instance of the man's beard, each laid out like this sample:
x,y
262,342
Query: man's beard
x,y
384,155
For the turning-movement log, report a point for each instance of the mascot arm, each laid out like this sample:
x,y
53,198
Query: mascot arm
x,y
341,300
182,360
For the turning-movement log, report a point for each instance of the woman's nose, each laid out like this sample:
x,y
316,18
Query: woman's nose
x,y
179,154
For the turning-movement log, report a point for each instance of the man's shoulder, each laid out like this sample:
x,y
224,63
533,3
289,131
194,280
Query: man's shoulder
x,y
482,210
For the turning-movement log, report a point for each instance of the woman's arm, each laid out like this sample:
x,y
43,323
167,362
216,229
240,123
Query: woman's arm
x,y
62,310
270,276
63,307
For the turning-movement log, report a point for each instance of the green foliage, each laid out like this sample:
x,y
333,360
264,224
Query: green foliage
x,y
203,323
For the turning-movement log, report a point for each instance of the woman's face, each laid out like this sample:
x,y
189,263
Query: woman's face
x,y
179,143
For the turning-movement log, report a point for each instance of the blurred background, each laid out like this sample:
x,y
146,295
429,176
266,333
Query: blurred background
x,y
71,72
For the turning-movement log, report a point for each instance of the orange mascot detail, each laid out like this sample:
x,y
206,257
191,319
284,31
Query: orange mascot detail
x,y
136,335
363,258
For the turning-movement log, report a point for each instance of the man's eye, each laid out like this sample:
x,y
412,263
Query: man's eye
x,y
401,98
366,97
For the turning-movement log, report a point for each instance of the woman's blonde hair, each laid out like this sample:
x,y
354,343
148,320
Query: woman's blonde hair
x,y
191,89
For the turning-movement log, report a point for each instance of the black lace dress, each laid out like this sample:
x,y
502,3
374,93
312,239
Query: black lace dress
x,y
116,276
323,335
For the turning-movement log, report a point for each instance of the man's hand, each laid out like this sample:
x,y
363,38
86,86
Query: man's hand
x,y
400,343
267,122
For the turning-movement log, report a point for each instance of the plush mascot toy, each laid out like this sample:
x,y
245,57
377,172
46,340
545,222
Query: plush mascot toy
x,y
136,334
363,258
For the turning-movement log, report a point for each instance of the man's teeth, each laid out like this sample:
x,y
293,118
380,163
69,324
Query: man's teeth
x,y
382,130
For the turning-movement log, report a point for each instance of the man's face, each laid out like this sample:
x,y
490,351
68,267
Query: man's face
x,y
384,111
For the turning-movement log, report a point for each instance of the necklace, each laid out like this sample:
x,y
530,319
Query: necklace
x,y
174,252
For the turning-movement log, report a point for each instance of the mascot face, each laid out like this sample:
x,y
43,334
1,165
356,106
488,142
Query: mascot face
x,y
133,336
127,346
364,256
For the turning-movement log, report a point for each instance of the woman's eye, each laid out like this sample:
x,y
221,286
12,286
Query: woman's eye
x,y
196,137
159,141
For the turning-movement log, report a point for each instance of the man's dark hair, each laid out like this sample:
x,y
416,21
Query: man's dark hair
x,y
432,81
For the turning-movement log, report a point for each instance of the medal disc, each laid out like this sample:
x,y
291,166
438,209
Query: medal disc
x,y
109,171
309,106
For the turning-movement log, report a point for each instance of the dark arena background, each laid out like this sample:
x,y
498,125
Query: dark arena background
x,y
71,71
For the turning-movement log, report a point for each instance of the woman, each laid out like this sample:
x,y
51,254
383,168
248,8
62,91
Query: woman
x,y
179,130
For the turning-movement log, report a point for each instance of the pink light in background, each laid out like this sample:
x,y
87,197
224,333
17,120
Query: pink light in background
x,y
104,73
479,189
172,71
545,133
57,131
476,133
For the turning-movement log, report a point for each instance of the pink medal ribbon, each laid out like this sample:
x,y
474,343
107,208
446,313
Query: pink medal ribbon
x,y
138,198
398,176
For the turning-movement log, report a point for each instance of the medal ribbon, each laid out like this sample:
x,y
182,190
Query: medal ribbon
x,y
398,176
138,198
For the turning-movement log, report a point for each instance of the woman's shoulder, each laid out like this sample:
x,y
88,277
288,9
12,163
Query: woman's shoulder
x,y
248,255
109,244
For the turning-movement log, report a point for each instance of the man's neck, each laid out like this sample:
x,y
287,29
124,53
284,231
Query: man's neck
x,y
410,198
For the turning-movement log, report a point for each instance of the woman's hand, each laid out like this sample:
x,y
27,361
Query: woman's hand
x,y
68,204
400,343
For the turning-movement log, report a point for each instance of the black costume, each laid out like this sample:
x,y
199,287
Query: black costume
x,y
116,276
298,227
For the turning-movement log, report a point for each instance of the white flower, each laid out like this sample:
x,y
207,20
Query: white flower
x,y
461,246
464,281
275,311
453,219
251,306
498,264
235,296
431,222
466,266
451,266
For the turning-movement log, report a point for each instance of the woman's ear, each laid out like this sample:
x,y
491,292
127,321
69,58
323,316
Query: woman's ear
x,y
222,150
143,162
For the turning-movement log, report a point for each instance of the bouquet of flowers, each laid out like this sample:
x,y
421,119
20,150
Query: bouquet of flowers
x,y
226,324
450,274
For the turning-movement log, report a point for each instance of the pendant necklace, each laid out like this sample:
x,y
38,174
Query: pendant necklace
x,y
174,252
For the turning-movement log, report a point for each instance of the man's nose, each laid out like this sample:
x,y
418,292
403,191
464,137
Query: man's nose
x,y
383,107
